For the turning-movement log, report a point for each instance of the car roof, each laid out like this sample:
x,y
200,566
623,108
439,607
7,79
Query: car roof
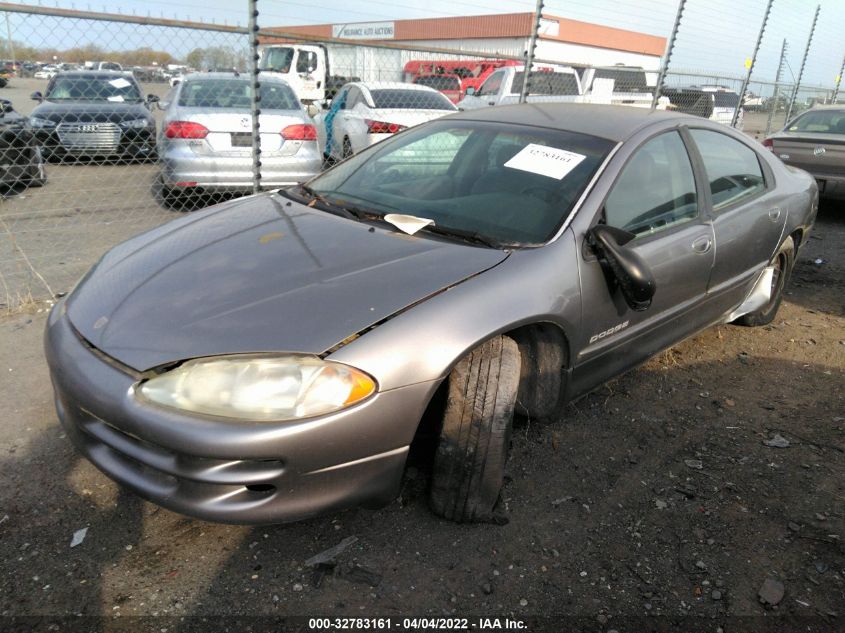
x,y
230,75
829,106
95,73
389,85
614,123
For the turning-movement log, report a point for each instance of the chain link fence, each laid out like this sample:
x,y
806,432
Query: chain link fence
x,y
113,124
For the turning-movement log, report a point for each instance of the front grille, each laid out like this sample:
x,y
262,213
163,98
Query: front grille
x,y
86,137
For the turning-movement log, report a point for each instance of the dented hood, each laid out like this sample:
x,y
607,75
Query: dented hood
x,y
259,274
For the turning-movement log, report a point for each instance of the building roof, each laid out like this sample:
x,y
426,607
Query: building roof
x,y
505,25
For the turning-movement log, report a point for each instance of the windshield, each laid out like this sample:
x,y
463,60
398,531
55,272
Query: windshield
x,y
235,93
546,83
410,99
820,122
439,82
511,184
623,80
114,89
277,59
725,99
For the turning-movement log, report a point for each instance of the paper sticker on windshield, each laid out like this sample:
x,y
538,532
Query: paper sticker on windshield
x,y
546,161
117,98
120,82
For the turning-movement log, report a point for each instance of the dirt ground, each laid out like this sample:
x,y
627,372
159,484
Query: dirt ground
x,y
654,500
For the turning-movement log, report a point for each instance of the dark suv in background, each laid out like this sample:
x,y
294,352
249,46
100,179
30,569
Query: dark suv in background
x,y
94,113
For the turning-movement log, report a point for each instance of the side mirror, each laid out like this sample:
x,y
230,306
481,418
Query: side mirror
x,y
36,96
630,271
470,91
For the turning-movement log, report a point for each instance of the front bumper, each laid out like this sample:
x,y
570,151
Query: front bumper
x,y
128,143
222,471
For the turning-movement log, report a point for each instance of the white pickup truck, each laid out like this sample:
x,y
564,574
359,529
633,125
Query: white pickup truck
x,y
545,83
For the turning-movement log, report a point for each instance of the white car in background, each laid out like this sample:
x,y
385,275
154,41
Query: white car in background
x,y
46,72
364,113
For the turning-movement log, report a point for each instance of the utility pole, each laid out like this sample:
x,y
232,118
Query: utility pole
x,y
9,39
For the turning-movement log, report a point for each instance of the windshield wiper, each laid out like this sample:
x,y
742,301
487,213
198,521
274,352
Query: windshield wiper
x,y
325,204
464,235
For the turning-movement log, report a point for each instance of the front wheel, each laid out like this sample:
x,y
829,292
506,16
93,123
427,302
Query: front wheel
x,y
782,263
474,442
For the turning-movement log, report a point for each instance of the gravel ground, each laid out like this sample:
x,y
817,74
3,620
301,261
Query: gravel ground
x,y
663,495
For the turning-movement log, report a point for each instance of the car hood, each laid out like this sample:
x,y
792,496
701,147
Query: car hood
x,y
259,274
88,111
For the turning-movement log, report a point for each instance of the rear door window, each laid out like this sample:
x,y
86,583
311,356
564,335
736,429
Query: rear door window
x,y
656,189
733,168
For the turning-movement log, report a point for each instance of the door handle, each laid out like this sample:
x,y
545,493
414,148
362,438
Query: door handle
x,y
702,244
774,214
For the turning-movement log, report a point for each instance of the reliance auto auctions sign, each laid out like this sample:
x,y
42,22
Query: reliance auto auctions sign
x,y
364,31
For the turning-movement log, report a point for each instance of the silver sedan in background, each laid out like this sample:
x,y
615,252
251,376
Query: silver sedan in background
x,y
205,141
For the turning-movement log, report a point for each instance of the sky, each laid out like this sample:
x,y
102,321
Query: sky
x,y
716,36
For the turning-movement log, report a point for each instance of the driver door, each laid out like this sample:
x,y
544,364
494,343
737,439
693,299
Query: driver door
x,y
656,197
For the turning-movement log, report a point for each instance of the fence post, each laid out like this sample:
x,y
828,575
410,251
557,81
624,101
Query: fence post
x,y
776,92
753,61
838,80
803,63
9,39
255,95
670,44
529,54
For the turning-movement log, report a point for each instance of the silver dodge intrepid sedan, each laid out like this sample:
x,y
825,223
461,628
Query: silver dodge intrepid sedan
x,y
272,358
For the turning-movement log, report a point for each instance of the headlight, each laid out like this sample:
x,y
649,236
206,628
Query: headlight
x,y
261,388
35,121
135,123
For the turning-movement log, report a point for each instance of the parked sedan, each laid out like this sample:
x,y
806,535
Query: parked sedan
x,y
815,142
94,114
205,142
364,113
274,357
20,157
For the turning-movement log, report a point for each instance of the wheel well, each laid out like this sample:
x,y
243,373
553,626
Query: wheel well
x,y
544,355
544,351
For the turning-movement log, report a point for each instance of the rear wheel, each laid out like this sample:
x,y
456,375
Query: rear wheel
x,y
782,263
474,442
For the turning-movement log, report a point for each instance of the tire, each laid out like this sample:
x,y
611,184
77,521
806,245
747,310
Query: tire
x,y
469,462
38,178
346,148
782,262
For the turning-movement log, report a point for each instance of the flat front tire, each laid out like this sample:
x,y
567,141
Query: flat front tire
x,y
475,438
